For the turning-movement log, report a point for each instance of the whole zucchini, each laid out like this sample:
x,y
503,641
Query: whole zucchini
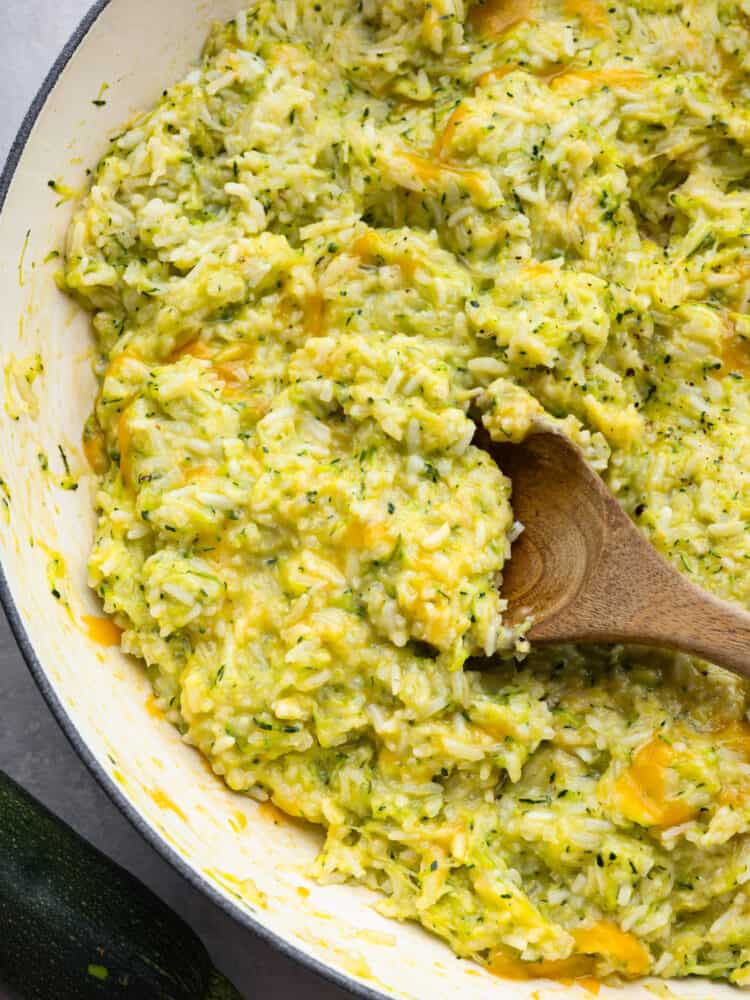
x,y
73,924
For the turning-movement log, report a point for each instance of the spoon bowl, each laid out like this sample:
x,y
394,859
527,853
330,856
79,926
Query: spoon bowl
x,y
583,573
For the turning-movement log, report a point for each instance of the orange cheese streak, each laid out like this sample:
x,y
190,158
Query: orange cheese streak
x,y
606,938
630,78
95,450
163,801
193,472
735,354
577,968
734,797
153,709
123,439
195,348
113,369
102,630
495,17
735,734
445,138
535,270
428,170
230,370
239,351
271,812
641,792
230,366
602,938
238,822
490,75
592,14
640,788
232,373
313,315
366,247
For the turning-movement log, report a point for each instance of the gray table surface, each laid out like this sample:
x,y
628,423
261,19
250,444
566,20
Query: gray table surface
x,y
33,749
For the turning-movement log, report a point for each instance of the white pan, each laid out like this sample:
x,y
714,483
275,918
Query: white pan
x,y
225,844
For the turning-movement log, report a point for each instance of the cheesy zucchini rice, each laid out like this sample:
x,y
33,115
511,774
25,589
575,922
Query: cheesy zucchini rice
x,y
353,231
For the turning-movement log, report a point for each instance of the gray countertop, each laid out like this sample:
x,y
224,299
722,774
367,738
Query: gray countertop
x,y
33,749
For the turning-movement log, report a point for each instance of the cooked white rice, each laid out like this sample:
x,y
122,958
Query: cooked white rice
x,y
348,227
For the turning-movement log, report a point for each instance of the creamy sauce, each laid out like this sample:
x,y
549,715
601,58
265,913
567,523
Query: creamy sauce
x,y
102,630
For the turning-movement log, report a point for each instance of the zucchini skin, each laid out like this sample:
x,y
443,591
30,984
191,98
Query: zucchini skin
x,y
74,925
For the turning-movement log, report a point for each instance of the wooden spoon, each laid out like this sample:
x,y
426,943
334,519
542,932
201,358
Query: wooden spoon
x,y
586,574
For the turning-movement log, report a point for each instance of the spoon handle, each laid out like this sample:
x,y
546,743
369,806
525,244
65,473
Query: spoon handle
x,y
692,621
631,594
